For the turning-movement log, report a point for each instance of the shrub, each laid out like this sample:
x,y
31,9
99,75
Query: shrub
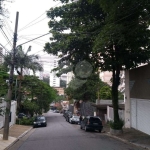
x,y
25,121
116,125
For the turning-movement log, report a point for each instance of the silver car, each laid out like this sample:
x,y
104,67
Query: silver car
x,y
74,119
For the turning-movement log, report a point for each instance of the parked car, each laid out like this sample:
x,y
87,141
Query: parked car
x,y
68,116
39,121
21,115
56,111
74,119
66,113
91,123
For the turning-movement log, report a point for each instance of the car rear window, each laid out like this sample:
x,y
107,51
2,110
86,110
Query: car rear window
x,y
40,119
96,120
76,117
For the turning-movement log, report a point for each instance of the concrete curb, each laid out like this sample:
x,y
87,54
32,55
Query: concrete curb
x,y
23,134
126,141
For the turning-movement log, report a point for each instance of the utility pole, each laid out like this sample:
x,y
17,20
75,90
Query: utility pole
x,y
9,94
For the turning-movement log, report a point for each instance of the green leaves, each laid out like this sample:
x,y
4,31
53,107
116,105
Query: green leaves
x,y
37,94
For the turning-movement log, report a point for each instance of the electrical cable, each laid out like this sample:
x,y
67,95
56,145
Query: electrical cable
x,y
34,39
25,36
36,42
28,25
32,24
4,34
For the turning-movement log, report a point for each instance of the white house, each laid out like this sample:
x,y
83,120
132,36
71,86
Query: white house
x,y
137,95
12,114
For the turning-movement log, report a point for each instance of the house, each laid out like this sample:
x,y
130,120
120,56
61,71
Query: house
x,y
12,114
137,98
104,109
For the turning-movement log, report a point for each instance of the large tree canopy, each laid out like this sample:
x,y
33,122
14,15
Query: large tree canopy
x,y
85,89
110,34
36,93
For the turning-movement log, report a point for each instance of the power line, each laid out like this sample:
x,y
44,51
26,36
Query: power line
x,y
34,39
36,42
6,36
30,23
27,37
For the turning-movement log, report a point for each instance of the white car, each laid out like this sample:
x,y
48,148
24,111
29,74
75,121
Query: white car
x,y
74,119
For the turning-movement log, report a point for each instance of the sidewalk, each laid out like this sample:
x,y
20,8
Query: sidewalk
x,y
132,136
15,132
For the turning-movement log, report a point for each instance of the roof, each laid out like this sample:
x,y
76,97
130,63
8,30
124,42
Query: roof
x,y
104,106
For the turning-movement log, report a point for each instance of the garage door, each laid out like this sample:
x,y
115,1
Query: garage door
x,y
140,111
133,114
143,116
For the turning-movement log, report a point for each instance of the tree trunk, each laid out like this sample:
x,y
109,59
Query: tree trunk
x,y
115,95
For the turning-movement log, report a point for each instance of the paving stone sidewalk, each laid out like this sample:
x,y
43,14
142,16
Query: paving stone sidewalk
x,y
15,132
132,136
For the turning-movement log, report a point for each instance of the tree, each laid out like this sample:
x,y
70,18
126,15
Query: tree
x,y
3,86
111,35
123,43
3,77
85,90
46,80
37,94
3,10
24,61
77,45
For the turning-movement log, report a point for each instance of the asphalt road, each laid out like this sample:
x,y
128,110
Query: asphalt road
x,y
60,135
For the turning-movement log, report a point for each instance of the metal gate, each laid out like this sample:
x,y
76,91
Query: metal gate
x,y
140,112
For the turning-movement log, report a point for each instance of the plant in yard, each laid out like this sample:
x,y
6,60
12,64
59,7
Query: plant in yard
x,y
116,125
23,61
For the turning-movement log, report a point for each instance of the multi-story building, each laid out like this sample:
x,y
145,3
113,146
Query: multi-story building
x,y
70,75
60,90
54,80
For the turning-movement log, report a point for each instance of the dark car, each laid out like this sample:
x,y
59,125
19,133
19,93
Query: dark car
x,y
91,123
39,121
68,116
65,113
21,115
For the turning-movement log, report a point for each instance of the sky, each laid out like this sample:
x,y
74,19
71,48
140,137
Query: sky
x,y
32,23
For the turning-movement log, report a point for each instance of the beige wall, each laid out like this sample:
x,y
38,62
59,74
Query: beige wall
x,y
140,82
59,90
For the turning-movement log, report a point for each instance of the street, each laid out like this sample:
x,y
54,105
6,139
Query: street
x,y
60,135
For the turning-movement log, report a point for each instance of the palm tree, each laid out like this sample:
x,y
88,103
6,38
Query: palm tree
x,y
24,61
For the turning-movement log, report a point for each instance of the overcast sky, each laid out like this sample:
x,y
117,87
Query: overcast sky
x,y
33,22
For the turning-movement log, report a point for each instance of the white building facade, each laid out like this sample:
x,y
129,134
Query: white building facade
x,y
54,80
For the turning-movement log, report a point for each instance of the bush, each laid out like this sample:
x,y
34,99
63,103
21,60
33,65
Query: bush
x,y
116,125
25,121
